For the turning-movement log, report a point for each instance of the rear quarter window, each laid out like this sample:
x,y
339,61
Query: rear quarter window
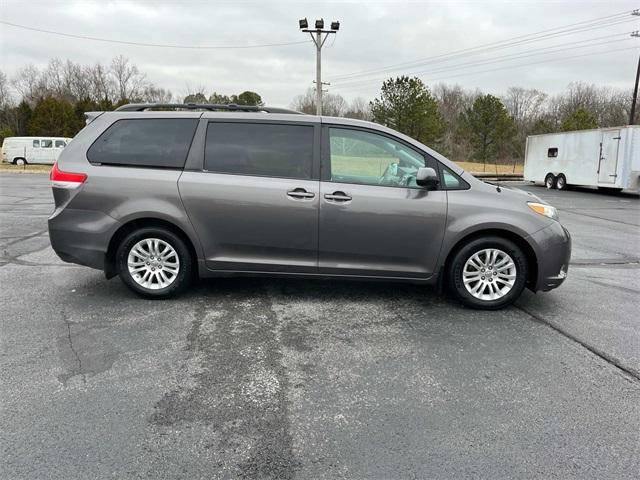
x,y
260,149
141,142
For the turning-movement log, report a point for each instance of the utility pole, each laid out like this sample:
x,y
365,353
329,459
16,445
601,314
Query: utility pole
x,y
632,116
319,35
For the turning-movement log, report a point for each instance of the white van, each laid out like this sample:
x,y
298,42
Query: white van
x,y
21,150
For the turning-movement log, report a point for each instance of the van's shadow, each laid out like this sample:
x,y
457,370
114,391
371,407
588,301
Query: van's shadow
x,y
329,290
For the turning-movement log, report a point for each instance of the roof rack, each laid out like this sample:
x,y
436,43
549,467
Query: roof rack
x,y
232,107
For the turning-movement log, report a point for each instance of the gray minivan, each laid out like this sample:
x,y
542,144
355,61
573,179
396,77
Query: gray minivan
x,y
160,194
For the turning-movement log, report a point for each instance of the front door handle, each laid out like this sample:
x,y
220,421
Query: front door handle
x,y
337,197
300,193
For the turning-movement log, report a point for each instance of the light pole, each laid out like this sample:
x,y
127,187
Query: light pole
x,y
319,36
632,115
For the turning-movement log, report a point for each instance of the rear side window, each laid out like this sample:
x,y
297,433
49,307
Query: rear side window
x,y
261,149
36,144
153,142
46,143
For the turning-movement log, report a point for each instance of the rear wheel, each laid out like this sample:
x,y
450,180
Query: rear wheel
x,y
550,181
488,273
19,161
561,182
154,263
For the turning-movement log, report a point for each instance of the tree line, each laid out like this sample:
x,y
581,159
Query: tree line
x,y
462,124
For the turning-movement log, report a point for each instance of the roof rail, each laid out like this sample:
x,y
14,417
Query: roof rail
x,y
232,107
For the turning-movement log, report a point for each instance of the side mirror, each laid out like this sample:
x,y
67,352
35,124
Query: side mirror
x,y
427,177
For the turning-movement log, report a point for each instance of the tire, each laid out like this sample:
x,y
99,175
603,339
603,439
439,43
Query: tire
x,y
461,268
561,182
19,161
174,270
550,181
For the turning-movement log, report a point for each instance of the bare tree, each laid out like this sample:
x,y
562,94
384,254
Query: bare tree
x,y
30,84
453,101
524,105
5,96
333,104
130,82
152,94
102,85
359,108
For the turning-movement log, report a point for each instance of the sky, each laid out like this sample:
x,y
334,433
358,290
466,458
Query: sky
x,y
377,39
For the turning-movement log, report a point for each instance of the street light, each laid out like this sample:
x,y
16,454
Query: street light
x,y
319,36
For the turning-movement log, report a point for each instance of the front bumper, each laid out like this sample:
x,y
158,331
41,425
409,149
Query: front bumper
x,y
553,251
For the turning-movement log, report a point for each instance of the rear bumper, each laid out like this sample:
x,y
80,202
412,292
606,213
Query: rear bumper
x,y
553,250
81,236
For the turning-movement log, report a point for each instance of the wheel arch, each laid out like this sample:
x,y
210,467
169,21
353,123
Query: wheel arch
x,y
136,224
520,241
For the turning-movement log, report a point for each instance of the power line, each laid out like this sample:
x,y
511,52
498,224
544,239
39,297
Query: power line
x,y
514,56
507,43
564,30
445,59
156,45
508,67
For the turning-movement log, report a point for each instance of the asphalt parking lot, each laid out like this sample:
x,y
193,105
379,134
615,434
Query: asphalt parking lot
x,y
257,378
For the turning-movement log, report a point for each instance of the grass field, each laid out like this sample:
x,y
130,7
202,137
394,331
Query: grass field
x,y
6,167
375,166
473,167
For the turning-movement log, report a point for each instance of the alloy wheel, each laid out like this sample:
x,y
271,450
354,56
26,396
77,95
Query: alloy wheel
x,y
153,263
489,274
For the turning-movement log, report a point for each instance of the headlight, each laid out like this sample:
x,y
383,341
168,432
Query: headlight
x,y
542,209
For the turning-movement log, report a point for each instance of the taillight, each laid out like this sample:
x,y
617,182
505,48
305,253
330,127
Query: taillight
x,y
60,179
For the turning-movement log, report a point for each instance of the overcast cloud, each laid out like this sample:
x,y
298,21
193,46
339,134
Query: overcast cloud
x,y
373,34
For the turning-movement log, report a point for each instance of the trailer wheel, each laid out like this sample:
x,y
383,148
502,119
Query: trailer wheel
x,y
561,182
550,181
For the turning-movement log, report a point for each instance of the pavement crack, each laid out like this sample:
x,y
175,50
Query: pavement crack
x,y
73,350
610,359
25,237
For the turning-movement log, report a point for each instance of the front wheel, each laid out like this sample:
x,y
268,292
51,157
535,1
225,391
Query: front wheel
x,y
154,263
488,273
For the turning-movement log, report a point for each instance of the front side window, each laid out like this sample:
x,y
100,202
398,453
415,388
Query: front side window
x,y
36,144
60,144
46,143
152,142
371,159
260,149
451,181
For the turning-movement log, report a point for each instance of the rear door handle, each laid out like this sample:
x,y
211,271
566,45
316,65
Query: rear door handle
x,y
300,193
337,197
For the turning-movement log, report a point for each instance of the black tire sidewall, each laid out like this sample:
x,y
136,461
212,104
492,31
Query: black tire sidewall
x,y
456,266
184,273
553,181
561,182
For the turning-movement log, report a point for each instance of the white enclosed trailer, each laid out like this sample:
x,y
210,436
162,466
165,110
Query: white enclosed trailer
x,y
604,158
